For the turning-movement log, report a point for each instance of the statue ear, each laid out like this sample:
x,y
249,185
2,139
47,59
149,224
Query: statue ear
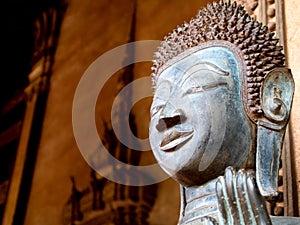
x,y
276,100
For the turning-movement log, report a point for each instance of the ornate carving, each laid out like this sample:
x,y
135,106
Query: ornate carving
x,y
264,11
97,185
227,22
75,203
46,32
208,76
271,12
250,5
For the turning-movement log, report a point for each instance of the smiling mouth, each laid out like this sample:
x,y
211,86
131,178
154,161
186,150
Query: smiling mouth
x,y
175,138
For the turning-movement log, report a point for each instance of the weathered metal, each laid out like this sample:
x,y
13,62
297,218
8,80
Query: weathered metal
x,y
222,100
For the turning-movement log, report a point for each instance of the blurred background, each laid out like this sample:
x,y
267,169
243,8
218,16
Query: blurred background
x,y
47,47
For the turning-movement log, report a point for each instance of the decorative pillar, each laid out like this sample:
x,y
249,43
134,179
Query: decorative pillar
x,y
47,24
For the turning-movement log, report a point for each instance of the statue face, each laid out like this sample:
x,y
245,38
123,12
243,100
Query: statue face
x,y
198,125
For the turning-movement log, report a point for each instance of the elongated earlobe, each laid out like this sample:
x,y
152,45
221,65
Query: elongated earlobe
x,y
276,96
269,144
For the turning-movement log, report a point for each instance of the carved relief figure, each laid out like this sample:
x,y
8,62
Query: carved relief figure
x,y
222,100
98,185
76,214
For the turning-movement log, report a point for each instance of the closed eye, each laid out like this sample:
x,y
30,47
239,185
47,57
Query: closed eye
x,y
205,87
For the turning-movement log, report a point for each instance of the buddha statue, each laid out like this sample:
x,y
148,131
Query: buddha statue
x,y
222,100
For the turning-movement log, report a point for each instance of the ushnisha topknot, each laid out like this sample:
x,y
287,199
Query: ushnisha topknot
x,y
229,22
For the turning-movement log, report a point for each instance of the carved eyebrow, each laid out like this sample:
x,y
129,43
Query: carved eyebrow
x,y
203,66
208,66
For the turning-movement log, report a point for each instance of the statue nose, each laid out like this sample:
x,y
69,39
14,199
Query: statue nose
x,y
170,117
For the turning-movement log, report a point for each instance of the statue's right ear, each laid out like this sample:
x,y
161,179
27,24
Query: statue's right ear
x,y
276,101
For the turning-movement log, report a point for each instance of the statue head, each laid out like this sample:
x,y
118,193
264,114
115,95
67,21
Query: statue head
x,y
222,97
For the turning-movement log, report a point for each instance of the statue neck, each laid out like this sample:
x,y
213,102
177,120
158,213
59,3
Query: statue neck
x,y
198,202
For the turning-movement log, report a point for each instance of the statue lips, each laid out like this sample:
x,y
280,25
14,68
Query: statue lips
x,y
175,138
